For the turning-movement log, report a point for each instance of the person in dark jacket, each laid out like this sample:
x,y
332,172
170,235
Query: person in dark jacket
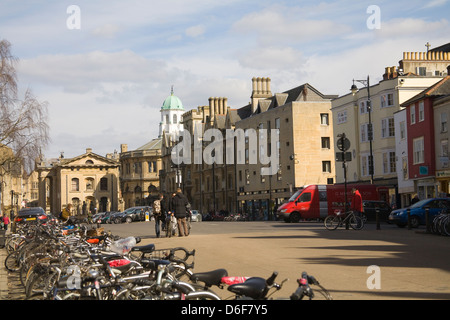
x,y
179,203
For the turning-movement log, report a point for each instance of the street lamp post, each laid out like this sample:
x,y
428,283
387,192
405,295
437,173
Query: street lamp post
x,y
354,90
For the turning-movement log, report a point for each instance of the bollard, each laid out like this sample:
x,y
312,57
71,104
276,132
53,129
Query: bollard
x,y
408,213
427,219
377,217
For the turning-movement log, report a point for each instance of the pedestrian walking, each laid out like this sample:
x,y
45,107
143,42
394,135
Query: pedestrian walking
x,y
356,204
6,222
179,204
159,212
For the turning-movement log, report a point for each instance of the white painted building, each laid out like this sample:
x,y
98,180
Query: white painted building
x,y
405,186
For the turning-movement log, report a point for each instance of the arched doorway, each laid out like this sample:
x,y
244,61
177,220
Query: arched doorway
x,y
103,205
91,205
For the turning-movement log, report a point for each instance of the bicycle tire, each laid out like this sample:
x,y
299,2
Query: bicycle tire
x,y
181,273
12,243
439,229
38,283
433,225
12,263
446,226
36,296
29,263
332,222
356,223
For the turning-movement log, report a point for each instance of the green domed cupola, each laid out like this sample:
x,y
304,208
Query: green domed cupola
x,y
172,102
171,115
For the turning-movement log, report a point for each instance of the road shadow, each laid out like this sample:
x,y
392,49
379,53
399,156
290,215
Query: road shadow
x,y
400,247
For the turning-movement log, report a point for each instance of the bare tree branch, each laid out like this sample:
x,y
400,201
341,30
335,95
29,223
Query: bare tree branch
x,y
23,121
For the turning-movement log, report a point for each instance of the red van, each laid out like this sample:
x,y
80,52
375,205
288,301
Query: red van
x,y
319,201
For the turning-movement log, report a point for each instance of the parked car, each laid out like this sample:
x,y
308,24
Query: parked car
x,y
97,216
133,214
213,217
370,209
196,216
30,215
106,217
417,212
116,217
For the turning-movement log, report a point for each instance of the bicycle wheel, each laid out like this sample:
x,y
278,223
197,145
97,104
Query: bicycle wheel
x,y
446,226
331,222
12,261
131,294
434,225
12,243
181,273
356,222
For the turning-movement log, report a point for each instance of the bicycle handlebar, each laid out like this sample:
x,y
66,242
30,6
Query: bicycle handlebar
x,y
271,279
304,289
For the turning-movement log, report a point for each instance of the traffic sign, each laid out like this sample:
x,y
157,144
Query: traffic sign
x,y
341,156
343,144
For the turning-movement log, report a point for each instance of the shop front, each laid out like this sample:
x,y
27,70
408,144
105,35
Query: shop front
x,y
443,182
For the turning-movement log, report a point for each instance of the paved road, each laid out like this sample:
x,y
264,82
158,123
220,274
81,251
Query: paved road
x,y
412,264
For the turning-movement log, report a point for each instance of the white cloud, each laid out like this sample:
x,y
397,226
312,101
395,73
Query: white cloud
x,y
435,3
106,82
108,31
84,72
270,58
401,27
281,25
195,31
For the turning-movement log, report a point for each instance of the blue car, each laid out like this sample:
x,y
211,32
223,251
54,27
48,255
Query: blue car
x,y
417,213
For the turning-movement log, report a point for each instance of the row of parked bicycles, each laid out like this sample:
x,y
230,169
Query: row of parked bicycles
x,y
58,262
441,224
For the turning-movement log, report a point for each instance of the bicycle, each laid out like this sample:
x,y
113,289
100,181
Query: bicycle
x,y
332,222
441,224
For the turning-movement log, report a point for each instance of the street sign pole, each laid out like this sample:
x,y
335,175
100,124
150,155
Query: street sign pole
x,y
343,145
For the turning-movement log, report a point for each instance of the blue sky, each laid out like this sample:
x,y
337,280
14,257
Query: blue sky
x,y
106,81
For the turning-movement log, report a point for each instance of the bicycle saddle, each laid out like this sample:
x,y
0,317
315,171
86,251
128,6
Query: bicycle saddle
x,y
254,288
210,278
144,249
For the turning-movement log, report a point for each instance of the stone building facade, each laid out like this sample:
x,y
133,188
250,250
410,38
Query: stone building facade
x,y
89,182
303,117
139,178
415,72
306,156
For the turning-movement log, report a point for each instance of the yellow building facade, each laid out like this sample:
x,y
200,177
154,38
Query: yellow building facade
x,y
139,175
306,156
89,182
354,113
